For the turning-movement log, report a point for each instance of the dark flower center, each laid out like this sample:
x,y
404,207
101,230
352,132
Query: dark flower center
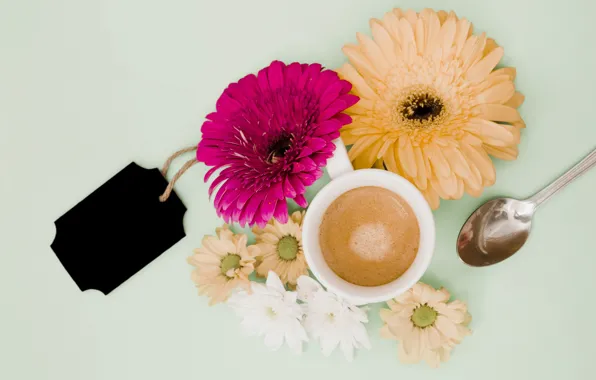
x,y
421,107
278,148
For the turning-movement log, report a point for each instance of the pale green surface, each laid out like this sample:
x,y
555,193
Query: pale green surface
x,y
88,86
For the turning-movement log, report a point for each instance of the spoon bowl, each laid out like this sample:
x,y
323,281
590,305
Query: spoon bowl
x,y
500,227
495,231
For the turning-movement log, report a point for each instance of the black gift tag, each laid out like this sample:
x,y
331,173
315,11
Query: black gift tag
x,y
118,229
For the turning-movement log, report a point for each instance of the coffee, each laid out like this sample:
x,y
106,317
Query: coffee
x,y
369,236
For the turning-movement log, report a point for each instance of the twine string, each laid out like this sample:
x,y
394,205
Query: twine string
x,y
175,155
164,170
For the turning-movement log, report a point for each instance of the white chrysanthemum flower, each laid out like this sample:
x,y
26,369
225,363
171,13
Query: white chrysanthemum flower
x,y
272,312
331,320
427,326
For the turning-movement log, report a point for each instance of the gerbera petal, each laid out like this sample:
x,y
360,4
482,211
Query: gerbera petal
x,y
449,186
339,105
472,51
457,161
421,178
491,45
326,127
406,156
498,112
490,132
324,81
275,75
361,145
262,79
301,201
511,72
504,153
368,157
360,62
383,39
391,23
267,207
461,35
482,68
431,197
252,206
432,32
437,160
331,94
242,199
389,158
361,88
281,211
448,30
229,198
310,75
374,54
407,39
499,93
297,184
516,100
480,160
293,73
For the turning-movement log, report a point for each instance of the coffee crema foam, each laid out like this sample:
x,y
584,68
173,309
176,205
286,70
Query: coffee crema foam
x,y
369,236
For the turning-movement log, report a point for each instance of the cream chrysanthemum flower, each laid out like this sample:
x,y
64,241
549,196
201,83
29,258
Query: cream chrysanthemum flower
x,y
223,263
432,106
427,326
281,249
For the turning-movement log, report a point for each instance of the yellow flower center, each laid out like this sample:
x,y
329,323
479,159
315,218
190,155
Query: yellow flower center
x,y
231,261
270,313
420,107
287,248
424,316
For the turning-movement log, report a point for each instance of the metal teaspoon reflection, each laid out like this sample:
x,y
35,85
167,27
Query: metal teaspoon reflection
x,y
500,227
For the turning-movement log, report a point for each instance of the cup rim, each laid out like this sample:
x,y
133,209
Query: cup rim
x,y
356,294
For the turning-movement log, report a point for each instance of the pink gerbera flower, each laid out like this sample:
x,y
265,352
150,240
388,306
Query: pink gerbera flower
x,y
271,134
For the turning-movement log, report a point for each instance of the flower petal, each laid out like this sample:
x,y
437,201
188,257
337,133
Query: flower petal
x,y
447,327
482,68
274,282
407,159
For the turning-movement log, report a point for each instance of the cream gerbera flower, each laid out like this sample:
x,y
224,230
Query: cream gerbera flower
x,y
432,106
281,249
223,263
426,324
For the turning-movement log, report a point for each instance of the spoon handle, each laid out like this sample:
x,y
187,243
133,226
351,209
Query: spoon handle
x,y
580,168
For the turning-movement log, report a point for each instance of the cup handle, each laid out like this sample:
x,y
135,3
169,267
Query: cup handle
x,y
340,163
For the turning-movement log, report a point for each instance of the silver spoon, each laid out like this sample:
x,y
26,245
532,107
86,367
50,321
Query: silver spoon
x,y
500,227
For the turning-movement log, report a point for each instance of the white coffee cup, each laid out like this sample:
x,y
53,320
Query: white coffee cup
x,y
345,178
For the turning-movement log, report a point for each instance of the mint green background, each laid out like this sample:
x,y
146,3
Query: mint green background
x,y
86,86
